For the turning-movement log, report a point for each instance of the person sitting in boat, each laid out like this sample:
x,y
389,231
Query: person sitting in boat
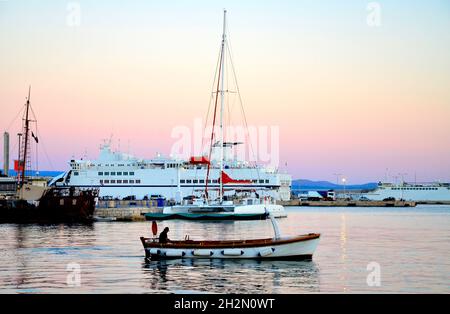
x,y
163,236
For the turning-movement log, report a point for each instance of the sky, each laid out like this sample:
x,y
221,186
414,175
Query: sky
x,y
359,88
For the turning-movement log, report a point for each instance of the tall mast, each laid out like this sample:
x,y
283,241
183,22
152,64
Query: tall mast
x,y
27,129
222,91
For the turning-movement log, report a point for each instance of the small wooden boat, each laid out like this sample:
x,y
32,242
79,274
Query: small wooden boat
x,y
299,247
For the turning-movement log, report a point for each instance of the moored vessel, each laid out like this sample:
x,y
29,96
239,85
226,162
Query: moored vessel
x,y
418,192
34,201
213,205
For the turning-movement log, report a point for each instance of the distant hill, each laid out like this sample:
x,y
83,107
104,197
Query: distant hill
x,y
302,184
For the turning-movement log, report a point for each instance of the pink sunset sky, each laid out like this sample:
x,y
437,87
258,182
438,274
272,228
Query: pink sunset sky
x,y
348,97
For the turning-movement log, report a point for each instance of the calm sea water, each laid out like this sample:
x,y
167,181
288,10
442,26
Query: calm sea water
x,y
411,246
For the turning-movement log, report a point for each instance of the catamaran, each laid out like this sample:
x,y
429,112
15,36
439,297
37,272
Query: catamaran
x,y
250,206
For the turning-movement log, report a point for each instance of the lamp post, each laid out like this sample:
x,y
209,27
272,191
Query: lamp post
x,y
337,177
403,182
344,180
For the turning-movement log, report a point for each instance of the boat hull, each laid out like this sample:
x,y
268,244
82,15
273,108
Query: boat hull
x,y
53,207
205,216
294,248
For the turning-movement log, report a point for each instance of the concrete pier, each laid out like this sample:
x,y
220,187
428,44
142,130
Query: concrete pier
x,y
126,210
345,203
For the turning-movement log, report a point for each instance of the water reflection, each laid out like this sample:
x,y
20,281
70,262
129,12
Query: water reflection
x,y
343,243
231,276
30,246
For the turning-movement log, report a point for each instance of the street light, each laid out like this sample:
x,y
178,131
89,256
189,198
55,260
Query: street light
x,y
337,177
403,181
344,180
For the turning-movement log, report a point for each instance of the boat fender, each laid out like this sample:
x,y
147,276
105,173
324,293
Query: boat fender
x,y
155,251
202,253
265,252
174,253
232,252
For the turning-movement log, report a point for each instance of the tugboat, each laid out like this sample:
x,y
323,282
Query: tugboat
x,y
34,201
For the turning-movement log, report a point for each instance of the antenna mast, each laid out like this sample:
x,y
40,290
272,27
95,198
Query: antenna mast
x,y
25,143
222,91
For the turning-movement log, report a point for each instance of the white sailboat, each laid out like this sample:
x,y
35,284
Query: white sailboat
x,y
250,207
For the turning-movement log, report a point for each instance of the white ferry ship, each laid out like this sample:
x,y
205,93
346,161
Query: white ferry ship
x,y
119,175
435,192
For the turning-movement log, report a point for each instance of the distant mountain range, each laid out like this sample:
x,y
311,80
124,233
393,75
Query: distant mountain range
x,y
302,184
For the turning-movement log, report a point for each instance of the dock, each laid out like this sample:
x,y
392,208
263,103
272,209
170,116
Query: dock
x,y
347,203
126,210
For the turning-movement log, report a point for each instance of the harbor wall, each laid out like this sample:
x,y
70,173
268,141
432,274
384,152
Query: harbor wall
x,y
346,203
126,210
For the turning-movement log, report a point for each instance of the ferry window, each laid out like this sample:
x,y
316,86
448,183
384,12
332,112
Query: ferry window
x,y
125,173
101,181
202,181
119,173
261,181
75,173
131,173
106,181
182,181
209,181
119,181
125,181
100,173
131,181
267,181
113,181
188,181
255,181
138,181
106,173
113,173
195,181
215,181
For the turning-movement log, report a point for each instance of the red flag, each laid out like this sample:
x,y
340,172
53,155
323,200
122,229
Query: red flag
x,y
18,165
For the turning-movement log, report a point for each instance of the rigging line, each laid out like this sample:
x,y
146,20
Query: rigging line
x,y
42,142
14,120
210,99
214,122
242,106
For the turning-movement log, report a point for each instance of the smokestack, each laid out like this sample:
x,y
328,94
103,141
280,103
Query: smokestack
x,y
6,153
